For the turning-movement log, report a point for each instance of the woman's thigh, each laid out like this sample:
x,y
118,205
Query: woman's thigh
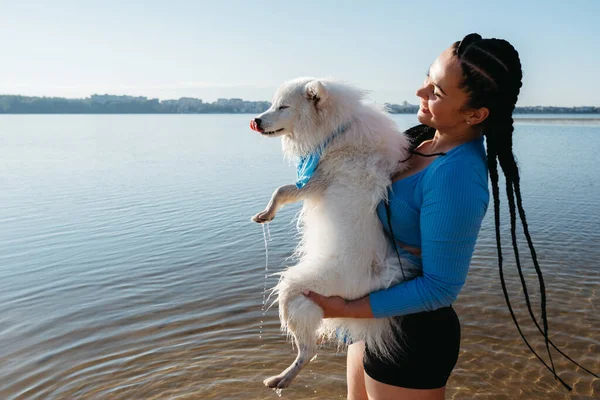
x,y
430,343
355,372
381,391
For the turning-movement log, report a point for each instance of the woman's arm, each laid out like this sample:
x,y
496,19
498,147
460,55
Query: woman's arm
x,y
454,203
338,307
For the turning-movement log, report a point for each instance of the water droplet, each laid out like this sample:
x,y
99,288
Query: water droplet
x,y
266,231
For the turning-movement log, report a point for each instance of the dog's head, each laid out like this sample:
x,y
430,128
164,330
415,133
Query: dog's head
x,y
306,110
295,101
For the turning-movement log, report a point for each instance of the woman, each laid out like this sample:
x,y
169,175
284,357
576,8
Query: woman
x,y
434,214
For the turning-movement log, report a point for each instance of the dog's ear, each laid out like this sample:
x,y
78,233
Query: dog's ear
x,y
316,92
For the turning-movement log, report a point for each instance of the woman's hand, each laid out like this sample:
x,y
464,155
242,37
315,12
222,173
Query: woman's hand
x,y
338,307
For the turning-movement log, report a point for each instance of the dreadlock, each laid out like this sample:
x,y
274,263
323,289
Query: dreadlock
x,y
492,78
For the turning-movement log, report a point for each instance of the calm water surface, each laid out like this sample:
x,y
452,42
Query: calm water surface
x,y
130,269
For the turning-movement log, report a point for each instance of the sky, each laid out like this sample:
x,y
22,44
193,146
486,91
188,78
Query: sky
x,y
211,49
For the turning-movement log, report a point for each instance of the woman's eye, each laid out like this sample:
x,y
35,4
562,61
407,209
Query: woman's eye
x,y
283,107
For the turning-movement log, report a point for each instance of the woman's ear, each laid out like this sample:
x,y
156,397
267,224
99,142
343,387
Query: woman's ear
x,y
477,116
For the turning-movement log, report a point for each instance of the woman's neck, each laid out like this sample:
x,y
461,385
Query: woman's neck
x,y
443,142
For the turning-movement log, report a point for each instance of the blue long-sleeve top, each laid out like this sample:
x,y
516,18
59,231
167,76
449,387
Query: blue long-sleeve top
x,y
438,210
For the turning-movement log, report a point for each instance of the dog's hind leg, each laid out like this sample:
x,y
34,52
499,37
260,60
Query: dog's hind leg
x,y
303,318
283,380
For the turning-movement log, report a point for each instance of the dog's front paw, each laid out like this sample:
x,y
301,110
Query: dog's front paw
x,y
262,217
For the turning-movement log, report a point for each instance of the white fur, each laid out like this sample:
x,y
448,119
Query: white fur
x,y
343,250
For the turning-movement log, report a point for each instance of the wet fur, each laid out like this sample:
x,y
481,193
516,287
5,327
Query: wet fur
x,y
343,250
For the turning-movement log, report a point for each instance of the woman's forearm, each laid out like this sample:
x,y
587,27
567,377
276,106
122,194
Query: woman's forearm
x,y
360,308
338,307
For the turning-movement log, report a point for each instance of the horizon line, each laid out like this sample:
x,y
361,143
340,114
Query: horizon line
x,y
239,98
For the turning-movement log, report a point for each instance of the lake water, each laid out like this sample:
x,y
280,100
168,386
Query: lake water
x,y
129,268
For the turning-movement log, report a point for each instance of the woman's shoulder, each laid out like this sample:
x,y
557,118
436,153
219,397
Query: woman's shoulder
x,y
464,162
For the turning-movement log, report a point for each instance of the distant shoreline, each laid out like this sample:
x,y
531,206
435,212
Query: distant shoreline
x,y
589,119
113,104
558,120
517,115
520,117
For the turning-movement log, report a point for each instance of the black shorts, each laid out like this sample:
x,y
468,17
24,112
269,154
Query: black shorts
x,y
430,344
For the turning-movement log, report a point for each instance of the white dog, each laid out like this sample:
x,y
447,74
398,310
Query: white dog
x,y
348,152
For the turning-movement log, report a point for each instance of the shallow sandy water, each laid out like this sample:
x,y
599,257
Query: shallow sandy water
x,y
130,269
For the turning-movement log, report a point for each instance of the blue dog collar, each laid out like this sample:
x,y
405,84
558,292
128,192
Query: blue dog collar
x,y
307,165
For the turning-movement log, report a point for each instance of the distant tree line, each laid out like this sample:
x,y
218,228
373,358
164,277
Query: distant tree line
x,y
111,104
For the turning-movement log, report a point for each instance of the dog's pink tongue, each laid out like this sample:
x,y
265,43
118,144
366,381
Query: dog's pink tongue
x,y
253,125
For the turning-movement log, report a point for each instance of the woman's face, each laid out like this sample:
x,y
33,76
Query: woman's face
x,y
442,100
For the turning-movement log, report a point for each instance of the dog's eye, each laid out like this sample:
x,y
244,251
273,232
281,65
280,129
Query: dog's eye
x,y
283,107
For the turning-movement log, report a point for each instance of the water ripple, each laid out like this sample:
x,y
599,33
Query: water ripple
x,y
130,268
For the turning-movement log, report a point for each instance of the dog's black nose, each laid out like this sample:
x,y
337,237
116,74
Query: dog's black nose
x,y
255,124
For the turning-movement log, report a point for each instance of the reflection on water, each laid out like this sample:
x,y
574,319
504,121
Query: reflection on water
x,y
130,268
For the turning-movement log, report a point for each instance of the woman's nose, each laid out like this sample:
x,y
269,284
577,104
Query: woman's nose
x,y
422,92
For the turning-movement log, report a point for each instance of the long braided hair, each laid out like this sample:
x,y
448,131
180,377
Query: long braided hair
x,y
492,77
